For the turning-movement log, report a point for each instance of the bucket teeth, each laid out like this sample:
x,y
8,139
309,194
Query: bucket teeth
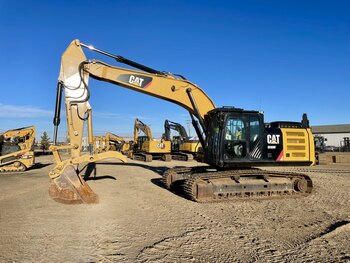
x,y
70,188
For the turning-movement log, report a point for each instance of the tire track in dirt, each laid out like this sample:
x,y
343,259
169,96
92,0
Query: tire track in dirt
x,y
328,191
321,246
155,252
214,239
111,244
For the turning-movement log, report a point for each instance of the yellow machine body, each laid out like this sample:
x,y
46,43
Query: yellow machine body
x,y
154,147
111,142
296,145
146,148
191,147
16,149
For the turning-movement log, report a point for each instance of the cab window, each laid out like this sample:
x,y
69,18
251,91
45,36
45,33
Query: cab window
x,y
254,131
235,138
235,129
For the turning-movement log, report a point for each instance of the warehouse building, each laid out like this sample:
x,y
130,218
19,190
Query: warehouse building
x,y
334,134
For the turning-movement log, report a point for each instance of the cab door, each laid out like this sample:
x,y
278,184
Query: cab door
x,y
243,138
235,138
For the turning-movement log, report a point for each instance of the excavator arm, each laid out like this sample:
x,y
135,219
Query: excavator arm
x,y
173,88
112,139
140,126
76,70
170,125
116,143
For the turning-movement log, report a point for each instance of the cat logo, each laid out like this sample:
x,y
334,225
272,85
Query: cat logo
x,y
273,138
136,80
139,81
160,145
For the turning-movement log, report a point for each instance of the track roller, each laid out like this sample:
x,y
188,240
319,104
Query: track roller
x,y
166,157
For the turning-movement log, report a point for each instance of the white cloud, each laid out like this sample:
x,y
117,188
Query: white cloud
x,y
15,111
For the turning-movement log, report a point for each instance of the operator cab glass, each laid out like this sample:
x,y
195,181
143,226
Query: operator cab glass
x,y
235,144
234,136
242,137
141,140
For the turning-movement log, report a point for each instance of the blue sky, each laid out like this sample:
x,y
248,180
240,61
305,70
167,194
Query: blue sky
x,y
282,57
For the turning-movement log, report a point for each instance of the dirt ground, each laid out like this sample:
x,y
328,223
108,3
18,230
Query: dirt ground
x,y
137,220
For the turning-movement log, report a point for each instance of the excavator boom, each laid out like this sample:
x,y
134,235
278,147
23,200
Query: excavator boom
x,y
167,86
170,125
140,126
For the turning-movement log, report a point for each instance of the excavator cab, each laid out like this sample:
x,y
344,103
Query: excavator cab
x,y
176,142
240,138
234,137
140,141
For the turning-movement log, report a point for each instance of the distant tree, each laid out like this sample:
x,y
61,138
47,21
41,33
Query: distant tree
x,y
44,141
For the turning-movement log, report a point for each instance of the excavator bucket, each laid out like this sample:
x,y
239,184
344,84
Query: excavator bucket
x,y
70,188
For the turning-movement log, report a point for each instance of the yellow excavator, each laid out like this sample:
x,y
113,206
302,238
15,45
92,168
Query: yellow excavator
x,y
145,148
16,149
99,144
111,142
182,147
234,141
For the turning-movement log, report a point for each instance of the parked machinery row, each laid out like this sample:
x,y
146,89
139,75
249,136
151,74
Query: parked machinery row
x,y
17,147
145,148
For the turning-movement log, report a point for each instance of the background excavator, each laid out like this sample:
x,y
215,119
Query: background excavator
x,y
111,142
182,147
99,144
234,140
145,148
16,149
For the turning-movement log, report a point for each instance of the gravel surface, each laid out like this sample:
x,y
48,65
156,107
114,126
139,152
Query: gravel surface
x,y
137,220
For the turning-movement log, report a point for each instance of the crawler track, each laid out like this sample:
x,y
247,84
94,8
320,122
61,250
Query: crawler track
x,y
203,184
180,174
143,157
180,156
317,170
14,167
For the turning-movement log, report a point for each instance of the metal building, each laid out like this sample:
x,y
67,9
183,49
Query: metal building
x,y
334,134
